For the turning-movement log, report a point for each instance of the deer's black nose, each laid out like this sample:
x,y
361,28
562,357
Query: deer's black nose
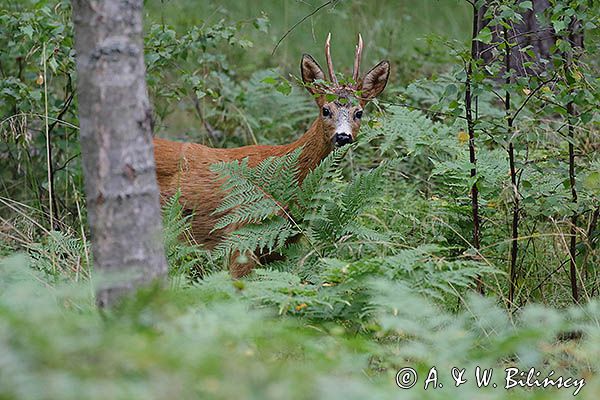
x,y
342,139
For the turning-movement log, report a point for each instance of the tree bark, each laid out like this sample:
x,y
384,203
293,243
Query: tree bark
x,y
570,59
573,275
529,32
514,248
116,146
469,99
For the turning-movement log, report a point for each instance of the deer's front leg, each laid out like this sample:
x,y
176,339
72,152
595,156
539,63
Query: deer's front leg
x,y
242,264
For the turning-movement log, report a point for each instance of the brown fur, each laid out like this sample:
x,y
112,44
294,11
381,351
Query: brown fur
x,y
185,166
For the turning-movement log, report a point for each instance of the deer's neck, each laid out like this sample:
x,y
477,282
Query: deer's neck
x,y
315,147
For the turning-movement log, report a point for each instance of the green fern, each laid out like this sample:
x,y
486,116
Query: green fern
x,y
183,255
339,207
255,194
61,252
323,207
326,172
266,237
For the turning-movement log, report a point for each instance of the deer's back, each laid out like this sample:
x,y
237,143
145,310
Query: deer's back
x,y
186,167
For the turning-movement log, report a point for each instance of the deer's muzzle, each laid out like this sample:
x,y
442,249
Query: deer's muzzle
x,y
342,139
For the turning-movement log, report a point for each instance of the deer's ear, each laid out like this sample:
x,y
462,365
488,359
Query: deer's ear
x,y
374,81
311,71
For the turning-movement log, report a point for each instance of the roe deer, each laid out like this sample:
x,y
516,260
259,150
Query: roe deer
x,y
185,166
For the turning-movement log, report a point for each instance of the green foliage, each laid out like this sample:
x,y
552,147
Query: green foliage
x,y
38,58
483,335
60,250
337,212
272,114
184,256
328,212
188,343
25,29
267,237
202,71
323,208
253,194
375,263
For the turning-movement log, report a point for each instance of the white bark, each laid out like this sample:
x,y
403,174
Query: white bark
x,y
116,146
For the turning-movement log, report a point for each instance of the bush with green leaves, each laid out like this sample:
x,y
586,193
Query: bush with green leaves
x,y
377,265
37,94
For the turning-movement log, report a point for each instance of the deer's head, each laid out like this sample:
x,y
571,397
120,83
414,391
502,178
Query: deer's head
x,y
341,104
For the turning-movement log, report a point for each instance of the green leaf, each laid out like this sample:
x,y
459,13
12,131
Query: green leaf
x,y
53,64
484,36
559,25
526,5
200,94
586,117
269,80
450,90
262,23
592,182
284,88
330,97
27,30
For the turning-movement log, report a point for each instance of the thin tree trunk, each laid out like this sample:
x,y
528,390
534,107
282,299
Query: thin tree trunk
x,y
116,146
573,231
592,239
570,59
471,131
513,178
573,225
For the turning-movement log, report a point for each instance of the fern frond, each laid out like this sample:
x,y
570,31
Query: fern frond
x,y
326,171
253,212
254,198
331,222
267,236
183,256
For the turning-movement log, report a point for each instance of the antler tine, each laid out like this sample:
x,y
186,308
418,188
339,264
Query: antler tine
x,y
357,57
328,58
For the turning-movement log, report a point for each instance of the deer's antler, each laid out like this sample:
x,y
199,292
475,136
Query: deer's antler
x,y
357,57
332,77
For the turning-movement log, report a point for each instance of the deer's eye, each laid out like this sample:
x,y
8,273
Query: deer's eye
x,y
358,114
326,112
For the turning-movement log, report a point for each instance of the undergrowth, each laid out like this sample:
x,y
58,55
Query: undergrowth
x,y
374,283
375,268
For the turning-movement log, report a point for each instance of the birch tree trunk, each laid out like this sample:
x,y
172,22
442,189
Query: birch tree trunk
x,y
116,146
